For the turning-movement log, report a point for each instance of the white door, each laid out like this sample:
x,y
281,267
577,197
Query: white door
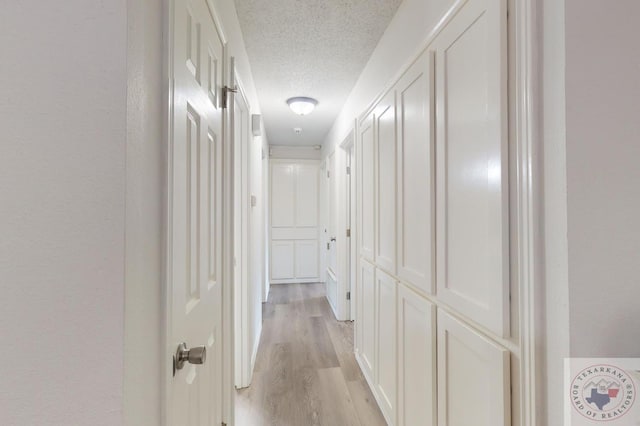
x,y
195,215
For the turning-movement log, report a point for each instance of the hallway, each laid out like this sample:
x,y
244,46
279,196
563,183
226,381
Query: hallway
x,y
305,371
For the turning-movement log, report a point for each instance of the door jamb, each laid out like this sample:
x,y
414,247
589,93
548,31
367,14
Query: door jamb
x,y
346,217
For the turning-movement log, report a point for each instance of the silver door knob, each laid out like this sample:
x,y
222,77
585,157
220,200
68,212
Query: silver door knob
x,y
196,355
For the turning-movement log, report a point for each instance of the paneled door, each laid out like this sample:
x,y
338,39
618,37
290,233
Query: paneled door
x,y
195,205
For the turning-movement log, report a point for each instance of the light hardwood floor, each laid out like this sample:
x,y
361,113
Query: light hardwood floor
x,y
305,372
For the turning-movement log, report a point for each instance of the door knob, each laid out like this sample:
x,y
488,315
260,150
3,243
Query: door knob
x,y
333,239
196,355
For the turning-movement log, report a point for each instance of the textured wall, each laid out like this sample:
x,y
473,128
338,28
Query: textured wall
x,y
62,211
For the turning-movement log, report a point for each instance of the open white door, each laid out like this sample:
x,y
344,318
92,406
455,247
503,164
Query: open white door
x,y
195,206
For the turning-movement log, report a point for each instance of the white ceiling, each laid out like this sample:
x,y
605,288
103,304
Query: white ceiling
x,y
314,48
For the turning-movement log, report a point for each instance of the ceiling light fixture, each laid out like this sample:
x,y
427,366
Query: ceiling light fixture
x,y
302,105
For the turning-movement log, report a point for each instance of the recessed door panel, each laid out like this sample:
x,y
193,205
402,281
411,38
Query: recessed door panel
x,y
386,342
416,178
417,397
307,195
282,260
306,259
368,323
386,189
472,224
367,186
473,377
283,195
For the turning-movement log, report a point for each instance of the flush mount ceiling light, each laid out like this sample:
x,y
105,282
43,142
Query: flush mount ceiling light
x,y
302,105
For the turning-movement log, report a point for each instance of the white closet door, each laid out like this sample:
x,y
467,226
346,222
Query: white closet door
x,y
368,317
473,377
283,195
366,148
386,343
472,199
386,189
416,177
417,397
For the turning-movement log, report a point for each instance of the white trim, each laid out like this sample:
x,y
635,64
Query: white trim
x,y
527,204
244,368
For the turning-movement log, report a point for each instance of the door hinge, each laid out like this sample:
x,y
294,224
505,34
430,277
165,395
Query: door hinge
x,y
328,174
348,170
348,295
225,94
348,233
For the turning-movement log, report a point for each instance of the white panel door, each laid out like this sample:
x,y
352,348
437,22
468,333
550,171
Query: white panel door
x,y
416,175
417,391
283,195
195,214
366,148
473,377
307,185
472,193
386,342
282,260
386,189
306,259
367,324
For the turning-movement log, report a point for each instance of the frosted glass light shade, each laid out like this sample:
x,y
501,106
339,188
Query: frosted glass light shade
x,y
302,105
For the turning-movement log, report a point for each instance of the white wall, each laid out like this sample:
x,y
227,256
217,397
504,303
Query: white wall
x,y
288,152
591,96
556,315
62,186
403,38
146,177
603,176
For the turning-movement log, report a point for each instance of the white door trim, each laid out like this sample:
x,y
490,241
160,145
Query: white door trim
x,y
244,370
528,202
345,221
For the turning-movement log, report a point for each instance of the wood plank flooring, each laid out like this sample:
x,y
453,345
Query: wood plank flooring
x,y
305,372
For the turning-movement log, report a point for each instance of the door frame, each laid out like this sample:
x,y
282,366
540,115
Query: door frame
x,y
346,219
167,351
527,181
242,237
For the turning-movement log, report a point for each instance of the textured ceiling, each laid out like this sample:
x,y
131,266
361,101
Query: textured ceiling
x,y
314,48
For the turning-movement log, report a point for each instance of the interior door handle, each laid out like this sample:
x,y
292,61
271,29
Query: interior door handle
x,y
196,355
333,239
